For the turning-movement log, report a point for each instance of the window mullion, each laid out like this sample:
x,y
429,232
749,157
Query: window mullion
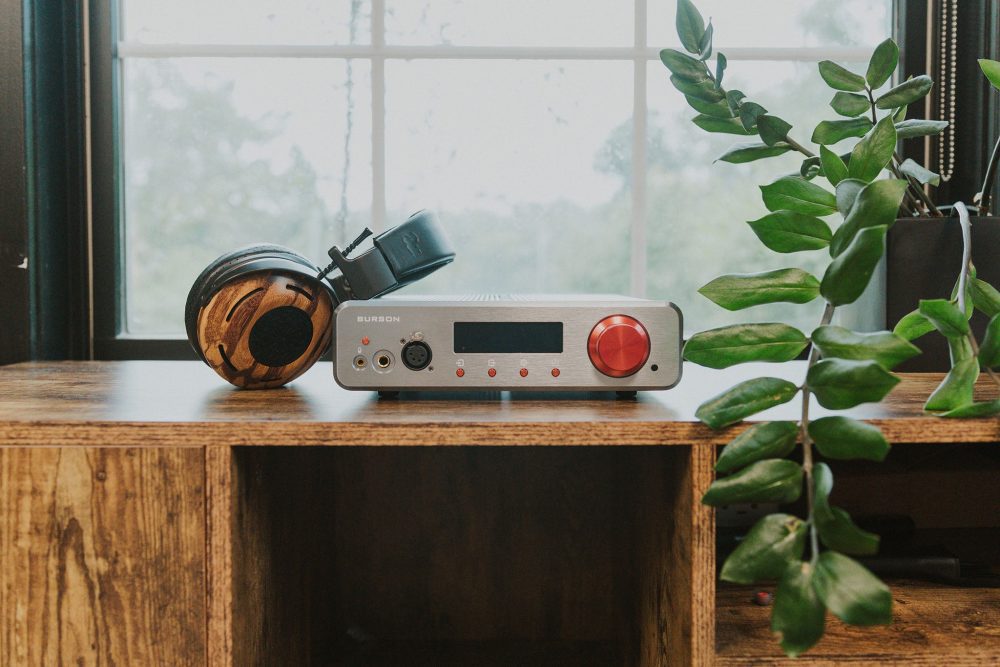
x,y
637,252
378,221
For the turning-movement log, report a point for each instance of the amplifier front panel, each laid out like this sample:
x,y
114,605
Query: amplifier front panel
x,y
394,344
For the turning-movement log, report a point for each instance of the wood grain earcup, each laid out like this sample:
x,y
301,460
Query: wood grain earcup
x,y
259,317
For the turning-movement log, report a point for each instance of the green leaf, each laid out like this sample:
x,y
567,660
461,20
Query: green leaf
x,y
912,326
745,399
722,125
871,155
851,592
848,190
794,193
798,615
945,316
841,437
705,45
905,93
702,90
738,291
899,117
915,170
919,128
684,65
749,113
849,104
788,231
847,276
839,78
772,544
720,69
956,389
690,25
839,384
989,351
888,349
734,98
741,153
882,64
991,68
810,168
877,204
770,481
741,343
772,129
829,132
717,109
975,410
960,349
985,297
834,525
768,440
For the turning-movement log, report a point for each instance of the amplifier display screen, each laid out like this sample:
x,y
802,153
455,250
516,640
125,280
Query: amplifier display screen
x,y
508,337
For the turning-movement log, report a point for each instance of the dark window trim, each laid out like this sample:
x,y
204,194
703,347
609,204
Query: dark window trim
x,y
15,306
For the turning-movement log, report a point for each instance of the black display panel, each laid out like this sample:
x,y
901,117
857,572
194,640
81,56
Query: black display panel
x,y
508,337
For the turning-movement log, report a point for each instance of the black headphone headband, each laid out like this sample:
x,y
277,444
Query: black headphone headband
x,y
399,256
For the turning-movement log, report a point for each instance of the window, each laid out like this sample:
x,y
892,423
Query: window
x,y
545,134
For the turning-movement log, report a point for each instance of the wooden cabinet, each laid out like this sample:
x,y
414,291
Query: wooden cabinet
x,y
154,516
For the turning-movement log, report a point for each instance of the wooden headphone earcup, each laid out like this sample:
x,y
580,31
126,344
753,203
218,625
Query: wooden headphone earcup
x,y
266,328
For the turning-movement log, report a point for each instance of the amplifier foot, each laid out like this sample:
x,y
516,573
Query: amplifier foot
x,y
391,394
625,395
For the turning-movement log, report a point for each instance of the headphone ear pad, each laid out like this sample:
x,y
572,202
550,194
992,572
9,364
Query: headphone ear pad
x,y
264,320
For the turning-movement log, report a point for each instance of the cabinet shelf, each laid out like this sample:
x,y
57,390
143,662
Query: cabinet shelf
x,y
933,624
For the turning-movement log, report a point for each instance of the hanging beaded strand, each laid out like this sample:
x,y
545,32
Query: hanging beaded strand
x,y
947,63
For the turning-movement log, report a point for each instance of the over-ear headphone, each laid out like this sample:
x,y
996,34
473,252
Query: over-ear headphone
x,y
261,316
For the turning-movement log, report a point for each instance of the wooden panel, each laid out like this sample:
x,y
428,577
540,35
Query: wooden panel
x,y
677,567
167,403
103,557
219,554
932,625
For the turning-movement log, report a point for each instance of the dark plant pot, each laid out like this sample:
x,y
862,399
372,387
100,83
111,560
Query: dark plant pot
x,y
923,259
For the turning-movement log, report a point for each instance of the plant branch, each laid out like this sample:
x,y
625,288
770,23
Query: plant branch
x,y
799,147
991,172
915,187
965,275
807,453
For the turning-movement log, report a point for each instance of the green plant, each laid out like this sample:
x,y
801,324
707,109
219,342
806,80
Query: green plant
x,y
844,368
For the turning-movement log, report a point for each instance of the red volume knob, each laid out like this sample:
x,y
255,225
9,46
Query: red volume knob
x,y
618,346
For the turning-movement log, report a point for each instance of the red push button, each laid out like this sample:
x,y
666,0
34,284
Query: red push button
x,y
555,372
492,372
460,372
524,372
618,346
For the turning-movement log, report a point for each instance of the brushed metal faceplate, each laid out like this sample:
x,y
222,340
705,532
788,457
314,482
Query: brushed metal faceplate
x,y
362,329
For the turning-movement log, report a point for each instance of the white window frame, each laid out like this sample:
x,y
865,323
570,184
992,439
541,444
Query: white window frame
x,y
377,52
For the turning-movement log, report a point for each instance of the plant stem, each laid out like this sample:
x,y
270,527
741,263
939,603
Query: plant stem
x,y
965,275
807,453
917,188
799,147
991,172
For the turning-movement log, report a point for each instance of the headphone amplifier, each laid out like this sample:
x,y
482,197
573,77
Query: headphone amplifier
x,y
567,343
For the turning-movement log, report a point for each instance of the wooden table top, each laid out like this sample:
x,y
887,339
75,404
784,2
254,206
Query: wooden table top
x,y
176,403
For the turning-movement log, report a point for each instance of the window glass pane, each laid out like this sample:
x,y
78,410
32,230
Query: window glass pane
x,y
780,23
222,153
527,164
510,22
697,209
247,22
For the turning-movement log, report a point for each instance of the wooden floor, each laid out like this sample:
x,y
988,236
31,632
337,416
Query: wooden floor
x,y
932,625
